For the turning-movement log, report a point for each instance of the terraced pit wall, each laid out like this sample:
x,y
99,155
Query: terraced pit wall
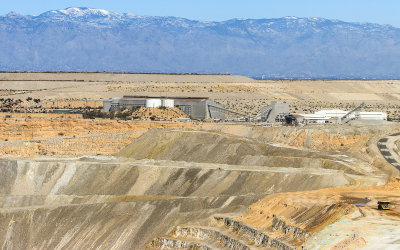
x,y
55,204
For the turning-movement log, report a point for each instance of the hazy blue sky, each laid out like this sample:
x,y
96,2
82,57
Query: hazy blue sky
x,y
378,11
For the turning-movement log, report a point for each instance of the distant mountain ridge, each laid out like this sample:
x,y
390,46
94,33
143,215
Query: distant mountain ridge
x,y
85,39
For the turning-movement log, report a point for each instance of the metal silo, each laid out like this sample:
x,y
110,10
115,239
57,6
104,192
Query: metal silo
x,y
168,103
153,103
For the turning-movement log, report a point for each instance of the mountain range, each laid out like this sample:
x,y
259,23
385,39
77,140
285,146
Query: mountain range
x,y
95,40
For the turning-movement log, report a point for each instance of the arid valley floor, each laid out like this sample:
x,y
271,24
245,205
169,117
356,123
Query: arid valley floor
x,y
73,183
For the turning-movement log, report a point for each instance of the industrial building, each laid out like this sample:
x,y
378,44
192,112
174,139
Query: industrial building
x,y
337,115
274,113
197,108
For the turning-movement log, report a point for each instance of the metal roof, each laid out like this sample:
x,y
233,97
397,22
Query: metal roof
x,y
162,97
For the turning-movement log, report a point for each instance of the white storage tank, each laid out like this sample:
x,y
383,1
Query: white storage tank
x,y
153,103
168,103
115,100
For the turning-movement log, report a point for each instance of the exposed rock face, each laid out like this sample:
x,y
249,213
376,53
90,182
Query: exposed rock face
x,y
167,243
202,233
225,233
295,232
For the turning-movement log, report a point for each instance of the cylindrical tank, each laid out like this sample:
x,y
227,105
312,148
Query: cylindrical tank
x,y
115,100
153,103
168,103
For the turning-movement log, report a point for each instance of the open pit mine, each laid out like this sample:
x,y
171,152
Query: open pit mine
x,y
188,189
92,161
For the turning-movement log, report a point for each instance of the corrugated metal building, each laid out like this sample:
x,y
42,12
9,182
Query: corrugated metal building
x,y
196,108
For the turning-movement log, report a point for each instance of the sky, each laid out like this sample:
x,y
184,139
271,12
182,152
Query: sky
x,y
375,11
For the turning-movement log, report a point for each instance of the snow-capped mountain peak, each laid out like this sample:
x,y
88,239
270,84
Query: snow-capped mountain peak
x,y
75,11
78,14
82,14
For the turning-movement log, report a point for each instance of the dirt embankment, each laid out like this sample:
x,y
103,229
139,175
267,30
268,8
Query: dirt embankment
x,y
78,137
170,114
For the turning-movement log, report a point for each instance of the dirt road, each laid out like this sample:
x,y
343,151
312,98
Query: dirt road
x,y
389,149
